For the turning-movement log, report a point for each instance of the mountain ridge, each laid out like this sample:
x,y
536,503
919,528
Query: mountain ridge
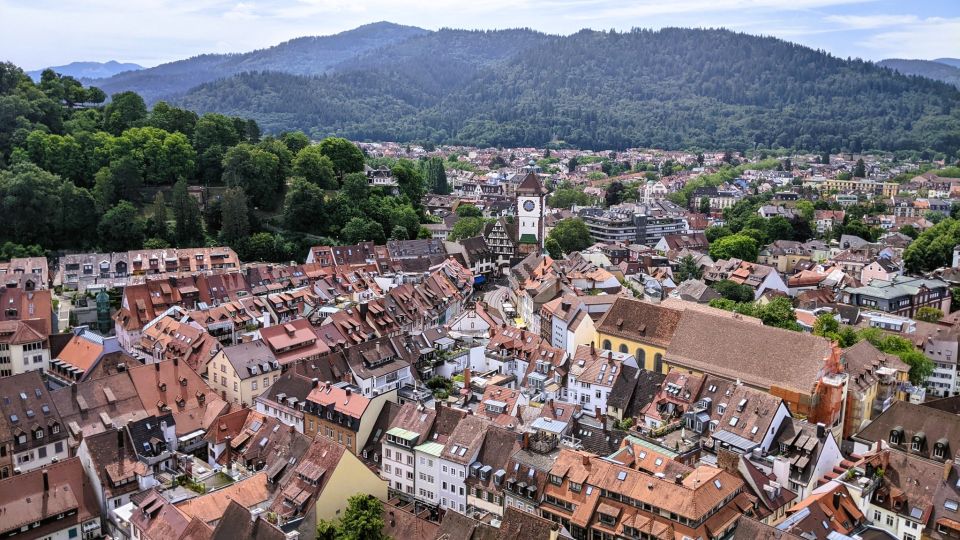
x,y
938,70
88,69
670,88
307,55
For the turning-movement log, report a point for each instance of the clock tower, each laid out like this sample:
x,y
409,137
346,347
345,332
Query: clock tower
x,y
530,210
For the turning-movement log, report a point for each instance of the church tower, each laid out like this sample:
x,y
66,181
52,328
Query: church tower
x,y
530,196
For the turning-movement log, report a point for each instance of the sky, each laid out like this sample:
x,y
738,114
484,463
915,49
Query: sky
x,y
41,33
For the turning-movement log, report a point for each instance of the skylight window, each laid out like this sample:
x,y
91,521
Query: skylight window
x,y
717,483
621,476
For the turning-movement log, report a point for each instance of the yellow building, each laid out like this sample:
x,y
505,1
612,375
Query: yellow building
x,y
346,476
641,329
860,185
242,372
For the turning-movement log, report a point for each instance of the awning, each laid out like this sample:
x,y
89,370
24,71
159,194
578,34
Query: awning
x,y
191,435
734,440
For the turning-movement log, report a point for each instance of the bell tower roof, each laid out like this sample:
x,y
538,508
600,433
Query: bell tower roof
x,y
531,185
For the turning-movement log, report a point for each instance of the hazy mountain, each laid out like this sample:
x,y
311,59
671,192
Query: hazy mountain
x,y
88,70
955,62
301,56
939,70
673,88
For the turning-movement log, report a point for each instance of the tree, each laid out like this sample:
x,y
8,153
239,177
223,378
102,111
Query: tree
x,y
571,235
361,229
715,233
213,134
933,248
235,217
188,230
156,225
172,119
737,246
614,193
362,520
921,367
121,228
435,176
399,233
345,155
553,248
295,140
733,291
410,181
566,196
256,171
928,314
125,110
468,210
119,181
860,169
315,167
303,208
778,312
687,269
572,164
826,326
704,205
466,227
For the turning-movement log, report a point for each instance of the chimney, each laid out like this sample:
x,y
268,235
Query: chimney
x,y
836,499
120,438
227,440
466,379
947,467
678,479
348,392
46,481
593,349
314,382
73,391
156,366
597,414
586,459
821,430
526,441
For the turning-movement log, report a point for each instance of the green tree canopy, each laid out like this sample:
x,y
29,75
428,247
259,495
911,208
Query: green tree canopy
x,y
345,155
235,217
121,228
737,246
257,172
315,167
303,208
125,110
188,231
571,235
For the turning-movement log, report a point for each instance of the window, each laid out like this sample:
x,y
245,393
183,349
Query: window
x,y
623,348
876,516
607,345
253,385
889,520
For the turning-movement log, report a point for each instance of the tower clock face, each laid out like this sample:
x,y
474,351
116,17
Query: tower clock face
x,y
529,206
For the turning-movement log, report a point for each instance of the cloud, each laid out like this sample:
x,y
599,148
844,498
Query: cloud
x,y
38,33
868,22
933,37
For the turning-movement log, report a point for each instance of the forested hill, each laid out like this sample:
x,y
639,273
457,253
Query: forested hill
x,y
301,56
673,88
932,69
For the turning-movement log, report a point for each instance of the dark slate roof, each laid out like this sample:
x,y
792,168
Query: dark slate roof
x,y
147,431
933,423
648,384
237,522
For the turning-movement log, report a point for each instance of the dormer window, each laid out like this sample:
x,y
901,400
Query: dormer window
x,y
917,443
940,449
896,435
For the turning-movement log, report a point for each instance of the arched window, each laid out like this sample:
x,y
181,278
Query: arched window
x,y
658,363
623,348
606,345
641,358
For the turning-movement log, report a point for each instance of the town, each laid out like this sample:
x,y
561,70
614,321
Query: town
x,y
578,344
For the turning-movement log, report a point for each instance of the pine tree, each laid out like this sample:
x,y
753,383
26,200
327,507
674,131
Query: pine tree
x,y
189,229
236,218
